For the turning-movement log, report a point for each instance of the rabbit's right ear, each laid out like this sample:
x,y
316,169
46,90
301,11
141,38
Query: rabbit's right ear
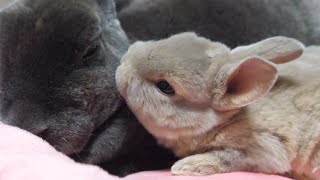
x,y
277,49
239,84
108,7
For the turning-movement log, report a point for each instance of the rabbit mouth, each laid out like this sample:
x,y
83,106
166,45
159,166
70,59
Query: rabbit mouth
x,y
68,131
120,96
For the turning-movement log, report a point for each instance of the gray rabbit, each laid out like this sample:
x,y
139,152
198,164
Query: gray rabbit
x,y
228,21
57,66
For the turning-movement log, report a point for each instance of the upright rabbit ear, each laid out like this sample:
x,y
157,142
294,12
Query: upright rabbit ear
x,y
239,84
276,49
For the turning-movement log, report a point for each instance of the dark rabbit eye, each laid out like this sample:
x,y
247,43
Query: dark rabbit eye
x,y
91,51
165,87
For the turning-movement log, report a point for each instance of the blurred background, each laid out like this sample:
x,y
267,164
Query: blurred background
x,y
4,2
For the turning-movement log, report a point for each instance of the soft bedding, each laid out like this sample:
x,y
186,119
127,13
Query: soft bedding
x,y
24,156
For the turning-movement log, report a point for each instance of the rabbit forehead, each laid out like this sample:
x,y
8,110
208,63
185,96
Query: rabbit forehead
x,y
36,35
40,19
183,56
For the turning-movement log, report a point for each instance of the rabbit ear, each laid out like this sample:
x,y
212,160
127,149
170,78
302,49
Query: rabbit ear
x,y
108,7
239,84
277,49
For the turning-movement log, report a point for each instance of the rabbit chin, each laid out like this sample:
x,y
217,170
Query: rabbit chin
x,y
179,126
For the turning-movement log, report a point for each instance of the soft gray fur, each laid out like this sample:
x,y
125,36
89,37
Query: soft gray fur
x,y
233,22
57,65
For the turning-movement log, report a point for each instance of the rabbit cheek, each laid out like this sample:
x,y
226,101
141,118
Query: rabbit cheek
x,y
122,79
179,124
93,92
161,117
69,131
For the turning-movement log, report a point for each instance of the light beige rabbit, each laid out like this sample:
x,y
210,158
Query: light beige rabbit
x,y
228,110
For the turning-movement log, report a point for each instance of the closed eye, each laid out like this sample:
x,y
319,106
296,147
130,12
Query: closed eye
x,y
91,51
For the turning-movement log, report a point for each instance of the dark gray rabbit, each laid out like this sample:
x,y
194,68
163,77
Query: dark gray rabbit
x,y
57,65
228,21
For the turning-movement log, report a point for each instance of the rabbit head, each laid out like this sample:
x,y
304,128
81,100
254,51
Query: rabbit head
x,y
57,67
186,85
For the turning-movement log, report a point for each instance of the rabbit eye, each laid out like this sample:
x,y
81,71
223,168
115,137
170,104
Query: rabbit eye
x,y
165,87
91,51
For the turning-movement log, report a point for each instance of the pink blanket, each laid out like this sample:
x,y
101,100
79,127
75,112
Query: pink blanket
x,y
24,156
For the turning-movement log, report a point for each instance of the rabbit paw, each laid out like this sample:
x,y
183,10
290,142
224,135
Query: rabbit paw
x,y
197,165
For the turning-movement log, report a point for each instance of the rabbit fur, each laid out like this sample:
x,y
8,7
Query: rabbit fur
x,y
57,66
245,109
228,21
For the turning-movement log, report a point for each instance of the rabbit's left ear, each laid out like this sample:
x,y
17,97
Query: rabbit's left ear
x,y
277,49
239,84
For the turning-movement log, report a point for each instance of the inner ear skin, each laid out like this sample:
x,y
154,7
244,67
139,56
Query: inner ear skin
x,y
248,81
245,79
287,58
233,85
250,76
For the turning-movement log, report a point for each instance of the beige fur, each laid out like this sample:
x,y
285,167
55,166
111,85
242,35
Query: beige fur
x,y
223,116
